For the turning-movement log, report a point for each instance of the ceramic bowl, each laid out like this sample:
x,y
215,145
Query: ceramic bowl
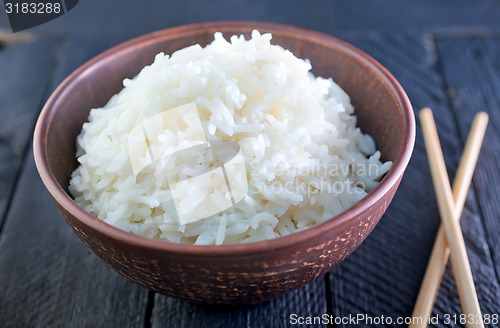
x,y
228,274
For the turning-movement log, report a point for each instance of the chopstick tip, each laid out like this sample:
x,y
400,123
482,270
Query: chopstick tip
x,y
483,116
425,114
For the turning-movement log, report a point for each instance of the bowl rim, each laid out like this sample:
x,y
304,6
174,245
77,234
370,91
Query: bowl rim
x,y
229,250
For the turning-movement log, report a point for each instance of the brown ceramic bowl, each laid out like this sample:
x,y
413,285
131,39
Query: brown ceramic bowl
x,y
229,274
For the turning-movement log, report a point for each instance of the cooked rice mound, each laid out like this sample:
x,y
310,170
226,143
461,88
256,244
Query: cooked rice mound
x,y
305,159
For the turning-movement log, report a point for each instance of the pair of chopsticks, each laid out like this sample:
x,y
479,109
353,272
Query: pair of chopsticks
x,y
449,240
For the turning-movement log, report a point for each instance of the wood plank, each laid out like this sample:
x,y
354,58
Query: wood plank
x,y
75,51
26,69
49,278
383,276
307,301
170,312
93,17
474,87
117,21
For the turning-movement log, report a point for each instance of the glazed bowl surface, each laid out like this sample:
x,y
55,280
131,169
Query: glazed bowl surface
x,y
227,274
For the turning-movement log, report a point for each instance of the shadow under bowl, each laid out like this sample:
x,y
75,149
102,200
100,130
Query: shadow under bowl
x,y
228,274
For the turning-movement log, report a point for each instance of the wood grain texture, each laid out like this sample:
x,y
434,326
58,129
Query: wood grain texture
x,y
307,301
61,282
472,88
48,278
394,256
25,71
92,17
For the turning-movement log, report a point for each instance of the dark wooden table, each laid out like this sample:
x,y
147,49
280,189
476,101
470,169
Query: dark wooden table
x,y
446,55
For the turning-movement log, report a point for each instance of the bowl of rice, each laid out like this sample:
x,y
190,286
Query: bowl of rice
x,y
225,162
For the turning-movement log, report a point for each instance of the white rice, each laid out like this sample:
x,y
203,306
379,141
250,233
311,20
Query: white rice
x,y
306,160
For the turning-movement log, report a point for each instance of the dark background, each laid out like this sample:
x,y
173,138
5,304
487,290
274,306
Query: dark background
x,y
446,54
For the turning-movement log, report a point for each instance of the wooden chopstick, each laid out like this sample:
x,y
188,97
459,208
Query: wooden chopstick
x,y
441,251
459,259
